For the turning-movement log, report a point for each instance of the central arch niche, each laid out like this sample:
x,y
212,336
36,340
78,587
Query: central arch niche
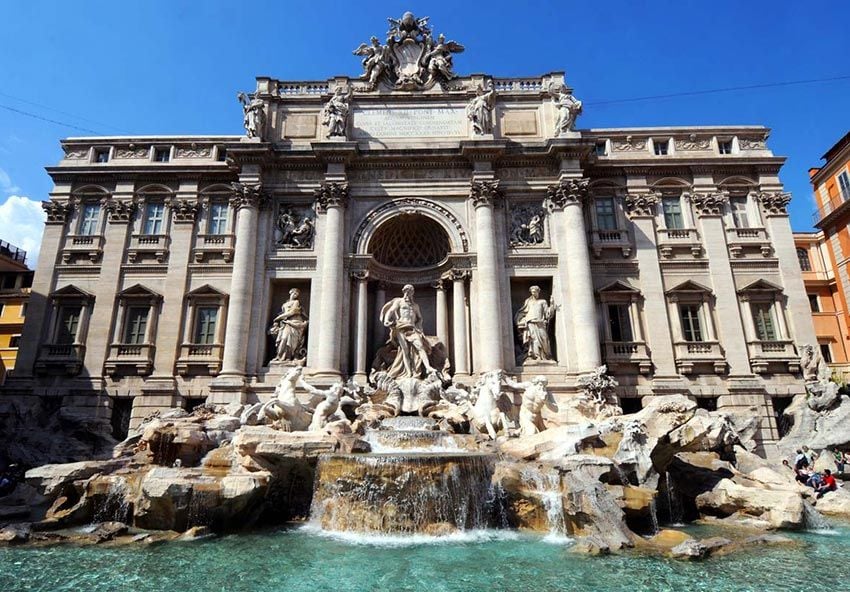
x,y
409,241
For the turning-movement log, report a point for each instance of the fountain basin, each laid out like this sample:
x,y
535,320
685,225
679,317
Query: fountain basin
x,y
419,441
399,493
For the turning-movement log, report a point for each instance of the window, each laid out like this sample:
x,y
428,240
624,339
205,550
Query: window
x,y
89,218
135,329
221,155
69,323
672,207
606,219
844,185
15,341
826,352
101,155
660,147
153,218
724,146
803,257
620,322
161,154
738,205
218,218
763,319
205,325
691,326
814,303
2,308
24,309
602,148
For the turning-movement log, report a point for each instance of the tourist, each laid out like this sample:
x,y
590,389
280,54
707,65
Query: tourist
x,y
828,484
815,480
803,475
801,461
810,455
839,460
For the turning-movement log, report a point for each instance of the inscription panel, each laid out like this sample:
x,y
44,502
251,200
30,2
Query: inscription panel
x,y
412,122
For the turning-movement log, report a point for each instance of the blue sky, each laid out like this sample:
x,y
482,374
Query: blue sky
x,y
157,67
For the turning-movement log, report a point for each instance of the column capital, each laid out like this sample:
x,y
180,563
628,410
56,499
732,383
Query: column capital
x,y
775,203
247,195
331,194
566,192
361,275
185,211
456,275
57,211
485,193
119,210
641,205
708,203
439,284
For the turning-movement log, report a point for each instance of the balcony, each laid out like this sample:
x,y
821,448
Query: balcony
x,y
129,358
673,239
146,246
835,203
65,357
619,353
754,239
610,239
78,246
214,246
690,353
764,353
196,357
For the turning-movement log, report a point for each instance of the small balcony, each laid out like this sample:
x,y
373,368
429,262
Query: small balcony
x,y
753,239
618,353
214,246
129,358
85,246
67,358
835,203
690,353
610,239
684,239
199,358
764,353
145,246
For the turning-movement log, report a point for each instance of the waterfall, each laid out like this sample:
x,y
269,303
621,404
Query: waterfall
x,y
674,504
624,479
653,515
814,520
413,441
116,505
547,486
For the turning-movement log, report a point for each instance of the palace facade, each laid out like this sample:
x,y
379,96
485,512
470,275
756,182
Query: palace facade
x,y
666,253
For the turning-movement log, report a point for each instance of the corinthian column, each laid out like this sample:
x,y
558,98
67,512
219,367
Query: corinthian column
x,y
484,196
567,198
331,199
246,201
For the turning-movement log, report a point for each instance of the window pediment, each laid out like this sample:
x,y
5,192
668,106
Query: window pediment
x,y
140,292
71,292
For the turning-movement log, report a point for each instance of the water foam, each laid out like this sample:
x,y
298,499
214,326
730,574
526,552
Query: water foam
x,y
413,540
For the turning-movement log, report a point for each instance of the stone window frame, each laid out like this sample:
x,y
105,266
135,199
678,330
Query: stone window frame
x,y
738,188
86,196
621,293
658,143
167,150
62,298
731,141
136,296
97,151
764,292
205,295
154,194
804,251
619,218
219,194
692,293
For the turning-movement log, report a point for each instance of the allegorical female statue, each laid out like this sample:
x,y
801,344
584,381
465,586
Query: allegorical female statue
x,y
532,321
289,328
335,113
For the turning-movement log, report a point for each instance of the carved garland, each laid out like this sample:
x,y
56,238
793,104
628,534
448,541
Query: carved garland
x,y
709,203
331,195
641,205
485,193
411,204
565,192
774,202
57,211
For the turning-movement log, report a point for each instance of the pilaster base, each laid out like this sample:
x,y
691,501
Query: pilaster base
x,y
228,388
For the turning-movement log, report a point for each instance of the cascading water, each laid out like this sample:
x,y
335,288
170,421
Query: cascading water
x,y
116,505
653,515
674,504
547,486
814,520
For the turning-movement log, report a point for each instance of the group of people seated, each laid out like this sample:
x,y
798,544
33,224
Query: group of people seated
x,y
821,481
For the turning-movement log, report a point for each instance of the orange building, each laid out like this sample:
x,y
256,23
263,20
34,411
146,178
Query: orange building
x,y
831,183
15,282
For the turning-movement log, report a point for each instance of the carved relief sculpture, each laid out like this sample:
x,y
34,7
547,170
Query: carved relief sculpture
x,y
480,110
526,225
567,109
254,115
439,59
290,329
377,61
532,322
295,228
335,113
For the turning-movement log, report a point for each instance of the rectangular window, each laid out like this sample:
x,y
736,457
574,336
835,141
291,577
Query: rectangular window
x,y
620,322
660,147
24,309
763,319
606,219
672,207
602,148
691,325
89,218
814,303
154,213
803,258
69,323
15,341
844,185
218,218
135,328
724,146
205,325
826,352
221,155
161,154
738,206
2,308
101,155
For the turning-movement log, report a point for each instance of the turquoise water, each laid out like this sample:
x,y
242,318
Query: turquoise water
x,y
298,560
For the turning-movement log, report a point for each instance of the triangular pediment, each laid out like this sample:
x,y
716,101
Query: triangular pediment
x,y
207,290
138,290
71,291
618,287
689,286
761,285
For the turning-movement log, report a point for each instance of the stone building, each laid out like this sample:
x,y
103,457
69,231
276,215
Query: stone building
x,y
666,252
15,282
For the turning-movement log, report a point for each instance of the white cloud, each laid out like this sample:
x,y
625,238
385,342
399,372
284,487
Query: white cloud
x,y
6,186
22,223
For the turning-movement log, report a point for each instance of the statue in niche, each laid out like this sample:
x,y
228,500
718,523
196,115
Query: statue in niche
x,y
377,60
532,322
335,113
439,58
480,110
526,226
404,319
294,231
534,395
567,109
289,328
254,118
